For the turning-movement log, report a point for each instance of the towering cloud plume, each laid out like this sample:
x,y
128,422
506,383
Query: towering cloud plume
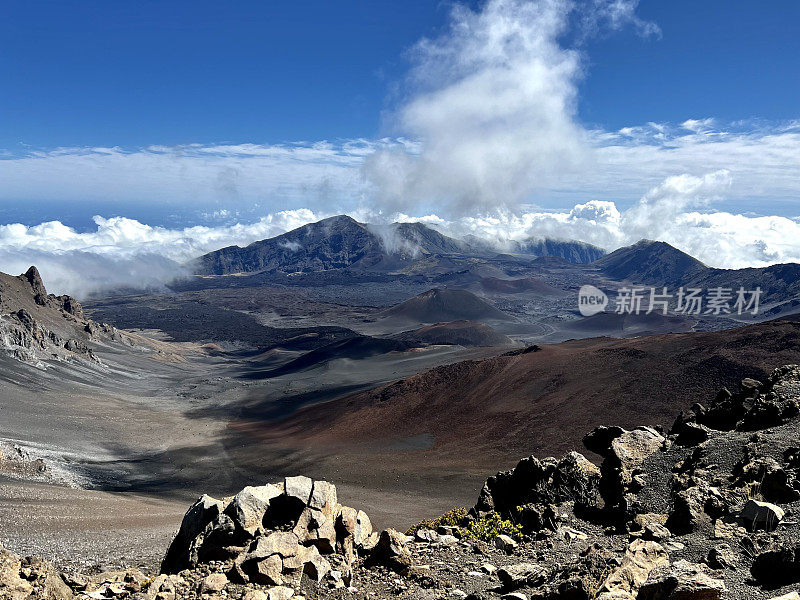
x,y
492,103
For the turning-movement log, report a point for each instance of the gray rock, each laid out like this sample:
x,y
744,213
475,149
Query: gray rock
x,y
682,580
248,507
521,574
298,487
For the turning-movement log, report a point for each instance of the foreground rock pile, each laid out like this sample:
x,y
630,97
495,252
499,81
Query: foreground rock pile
x,y
273,534
705,511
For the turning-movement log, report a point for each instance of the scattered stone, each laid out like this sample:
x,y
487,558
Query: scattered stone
x,y
521,574
722,556
505,543
682,581
213,583
640,559
761,515
280,593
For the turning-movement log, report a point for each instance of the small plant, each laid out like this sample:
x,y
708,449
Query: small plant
x,y
452,518
488,528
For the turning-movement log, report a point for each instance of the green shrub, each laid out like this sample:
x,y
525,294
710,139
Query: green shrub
x,y
488,528
452,518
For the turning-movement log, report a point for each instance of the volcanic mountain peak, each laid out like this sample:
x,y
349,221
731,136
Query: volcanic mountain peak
x,y
445,304
653,263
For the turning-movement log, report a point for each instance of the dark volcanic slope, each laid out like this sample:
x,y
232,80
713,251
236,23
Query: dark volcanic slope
x,y
518,286
572,251
354,348
652,263
462,333
437,305
543,402
619,325
659,264
334,243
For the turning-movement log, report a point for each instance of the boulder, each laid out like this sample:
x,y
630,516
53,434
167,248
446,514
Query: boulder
x,y
392,551
761,515
521,574
572,479
31,577
641,557
693,509
722,556
248,507
775,568
299,487
682,581
181,553
213,583
314,527
623,453
282,543
505,543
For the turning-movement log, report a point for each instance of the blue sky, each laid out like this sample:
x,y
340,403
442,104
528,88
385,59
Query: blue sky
x,y
140,73
172,128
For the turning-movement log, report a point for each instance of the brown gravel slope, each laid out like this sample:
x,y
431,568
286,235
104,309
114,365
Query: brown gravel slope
x,y
492,411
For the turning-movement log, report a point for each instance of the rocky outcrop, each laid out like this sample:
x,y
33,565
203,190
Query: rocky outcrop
x,y
682,581
533,484
275,533
36,327
31,577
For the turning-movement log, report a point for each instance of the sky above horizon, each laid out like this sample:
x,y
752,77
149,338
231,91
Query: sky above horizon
x,y
164,128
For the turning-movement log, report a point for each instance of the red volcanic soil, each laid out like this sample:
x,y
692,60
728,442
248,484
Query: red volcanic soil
x,y
499,409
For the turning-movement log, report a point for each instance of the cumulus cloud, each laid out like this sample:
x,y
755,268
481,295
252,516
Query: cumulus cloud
x,y
493,104
681,211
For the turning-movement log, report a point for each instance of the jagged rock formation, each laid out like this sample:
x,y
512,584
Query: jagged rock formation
x,y
688,500
36,326
27,578
273,534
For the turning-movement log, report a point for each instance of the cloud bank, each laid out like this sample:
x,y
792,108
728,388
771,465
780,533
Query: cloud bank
x,y
124,252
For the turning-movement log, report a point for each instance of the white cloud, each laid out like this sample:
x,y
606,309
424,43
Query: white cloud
x,y
493,104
